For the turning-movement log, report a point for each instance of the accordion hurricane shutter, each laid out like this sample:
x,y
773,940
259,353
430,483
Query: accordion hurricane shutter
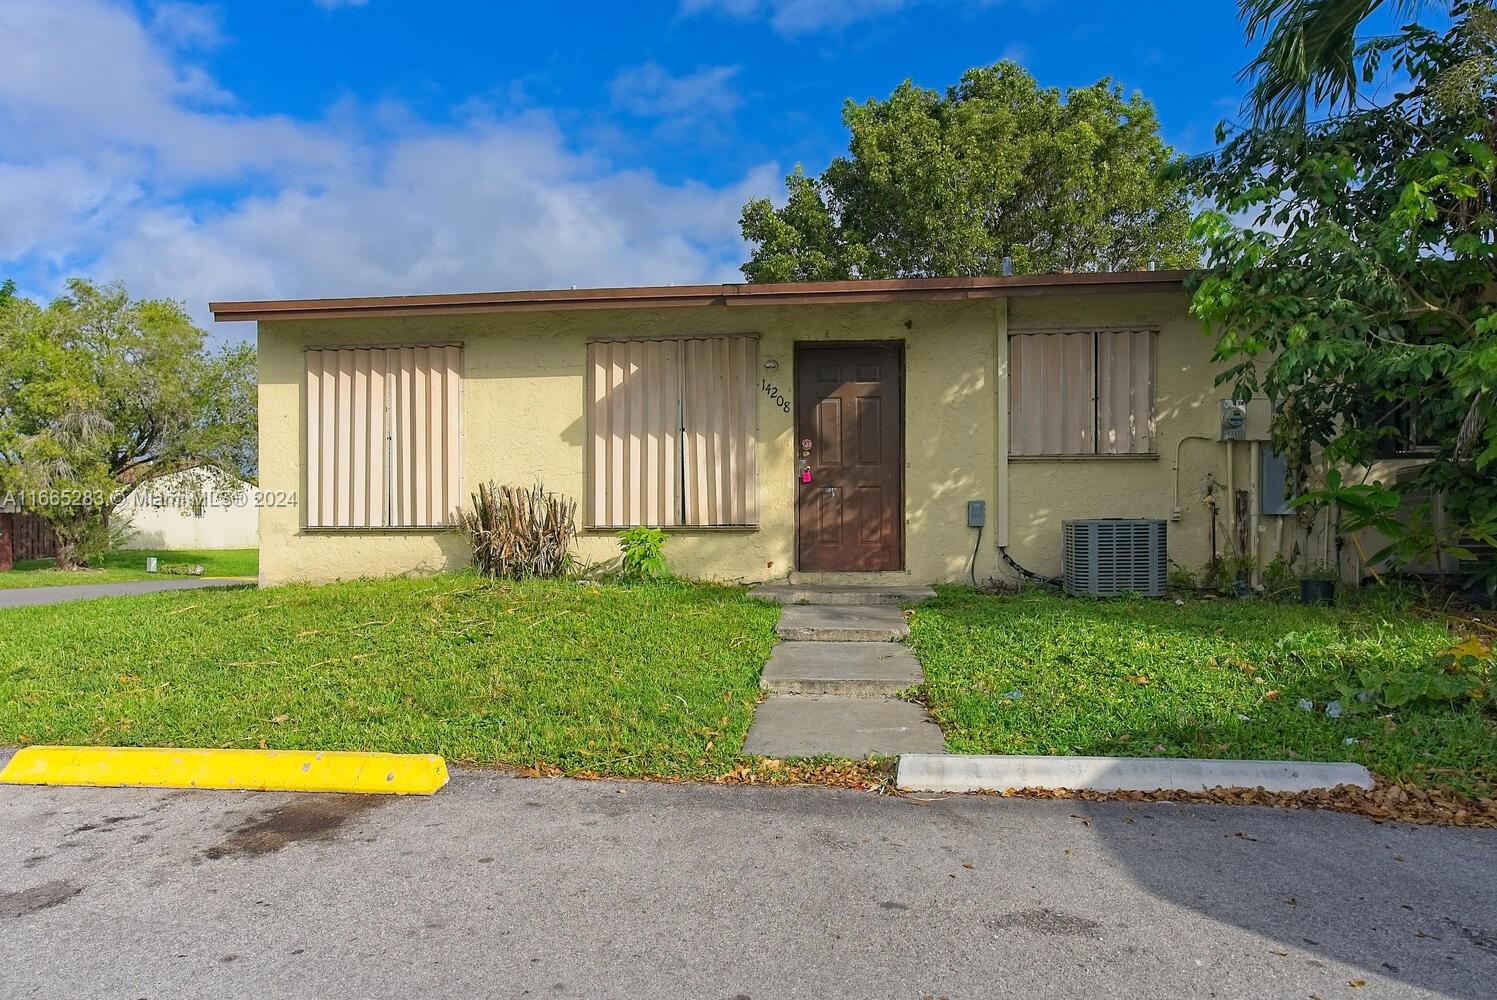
x,y
635,416
1051,394
1125,392
383,432
673,432
1083,392
721,406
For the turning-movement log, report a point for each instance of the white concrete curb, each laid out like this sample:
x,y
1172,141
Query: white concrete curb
x,y
947,772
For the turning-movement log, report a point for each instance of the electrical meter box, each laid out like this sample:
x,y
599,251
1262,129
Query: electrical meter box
x,y
1245,421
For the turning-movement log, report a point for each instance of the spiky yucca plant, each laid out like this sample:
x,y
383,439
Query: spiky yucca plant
x,y
519,531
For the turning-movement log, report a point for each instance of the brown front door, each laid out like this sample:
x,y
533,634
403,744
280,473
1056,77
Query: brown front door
x,y
850,409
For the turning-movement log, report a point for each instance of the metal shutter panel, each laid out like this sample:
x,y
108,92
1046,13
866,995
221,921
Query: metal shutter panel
x,y
384,430
1051,385
1125,392
634,417
721,431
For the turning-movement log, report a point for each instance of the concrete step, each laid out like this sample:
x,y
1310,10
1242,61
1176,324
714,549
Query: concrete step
x,y
830,623
848,669
804,726
789,593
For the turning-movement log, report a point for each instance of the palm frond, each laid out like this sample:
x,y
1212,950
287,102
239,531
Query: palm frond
x,y
1309,54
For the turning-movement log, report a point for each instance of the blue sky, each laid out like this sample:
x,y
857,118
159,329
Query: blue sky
x,y
328,147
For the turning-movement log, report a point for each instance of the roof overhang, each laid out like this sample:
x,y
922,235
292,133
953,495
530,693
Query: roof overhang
x,y
658,296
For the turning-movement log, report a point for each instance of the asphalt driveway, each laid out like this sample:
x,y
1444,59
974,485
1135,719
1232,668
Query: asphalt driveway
x,y
506,887
20,597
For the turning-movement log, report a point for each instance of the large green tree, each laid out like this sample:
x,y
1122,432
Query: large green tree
x,y
996,166
99,392
1351,265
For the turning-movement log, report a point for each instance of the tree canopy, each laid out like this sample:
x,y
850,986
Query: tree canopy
x,y
1351,267
996,166
99,392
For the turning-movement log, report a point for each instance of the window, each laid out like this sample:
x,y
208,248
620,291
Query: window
x,y
383,436
1085,392
1404,426
672,432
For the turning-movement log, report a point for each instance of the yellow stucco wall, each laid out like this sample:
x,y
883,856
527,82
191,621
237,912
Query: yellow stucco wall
x,y
523,421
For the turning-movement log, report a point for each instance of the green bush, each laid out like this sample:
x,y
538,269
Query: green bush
x,y
643,555
1279,578
1182,580
1228,574
1460,674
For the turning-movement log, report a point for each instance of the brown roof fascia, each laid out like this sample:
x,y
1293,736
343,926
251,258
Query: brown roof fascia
x,y
650,296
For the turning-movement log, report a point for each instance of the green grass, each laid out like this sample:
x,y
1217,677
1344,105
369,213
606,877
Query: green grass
x,y
130,564
612,679
1150,678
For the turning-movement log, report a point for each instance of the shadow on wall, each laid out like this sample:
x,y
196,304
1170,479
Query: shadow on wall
x,y
455,556
148,540
963,452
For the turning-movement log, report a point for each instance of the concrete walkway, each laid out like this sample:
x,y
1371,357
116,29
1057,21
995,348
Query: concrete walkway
x,y
26,596
508,888
833,677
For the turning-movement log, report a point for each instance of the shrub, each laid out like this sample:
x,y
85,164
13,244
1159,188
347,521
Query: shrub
x,y
1462,674
643,556
1279,578
1182,580
518,532
1320,571
1228,574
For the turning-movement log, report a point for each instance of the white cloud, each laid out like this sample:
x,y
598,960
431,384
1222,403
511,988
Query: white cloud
x,y
793,17
116,153
799,17
186,25
1015,52
500,205
85,76
650,91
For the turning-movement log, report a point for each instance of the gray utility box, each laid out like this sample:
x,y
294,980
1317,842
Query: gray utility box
x,y
1107,556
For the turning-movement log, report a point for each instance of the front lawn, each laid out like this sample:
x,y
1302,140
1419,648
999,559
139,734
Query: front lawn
x,y
130,564
611,679
1038,673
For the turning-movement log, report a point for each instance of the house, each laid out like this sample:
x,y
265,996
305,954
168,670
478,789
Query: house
x,y
832,431
190,509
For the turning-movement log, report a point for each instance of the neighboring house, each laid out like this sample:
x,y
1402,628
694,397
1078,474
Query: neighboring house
x,y
836,431
191,509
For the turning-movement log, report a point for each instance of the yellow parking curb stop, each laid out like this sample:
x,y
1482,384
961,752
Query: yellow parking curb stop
x,y
245,770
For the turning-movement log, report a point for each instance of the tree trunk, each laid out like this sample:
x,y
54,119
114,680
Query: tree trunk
x,y
67,555
78,538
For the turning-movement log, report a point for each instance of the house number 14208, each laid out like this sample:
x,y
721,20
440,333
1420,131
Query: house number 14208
x,y
773,392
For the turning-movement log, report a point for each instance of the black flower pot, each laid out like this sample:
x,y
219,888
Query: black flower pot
x,y
1317,591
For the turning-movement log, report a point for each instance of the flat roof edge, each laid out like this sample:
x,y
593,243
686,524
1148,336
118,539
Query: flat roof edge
x,y
657,296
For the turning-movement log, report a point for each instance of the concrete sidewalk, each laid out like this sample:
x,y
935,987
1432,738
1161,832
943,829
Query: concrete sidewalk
x,y
505,887
21,597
